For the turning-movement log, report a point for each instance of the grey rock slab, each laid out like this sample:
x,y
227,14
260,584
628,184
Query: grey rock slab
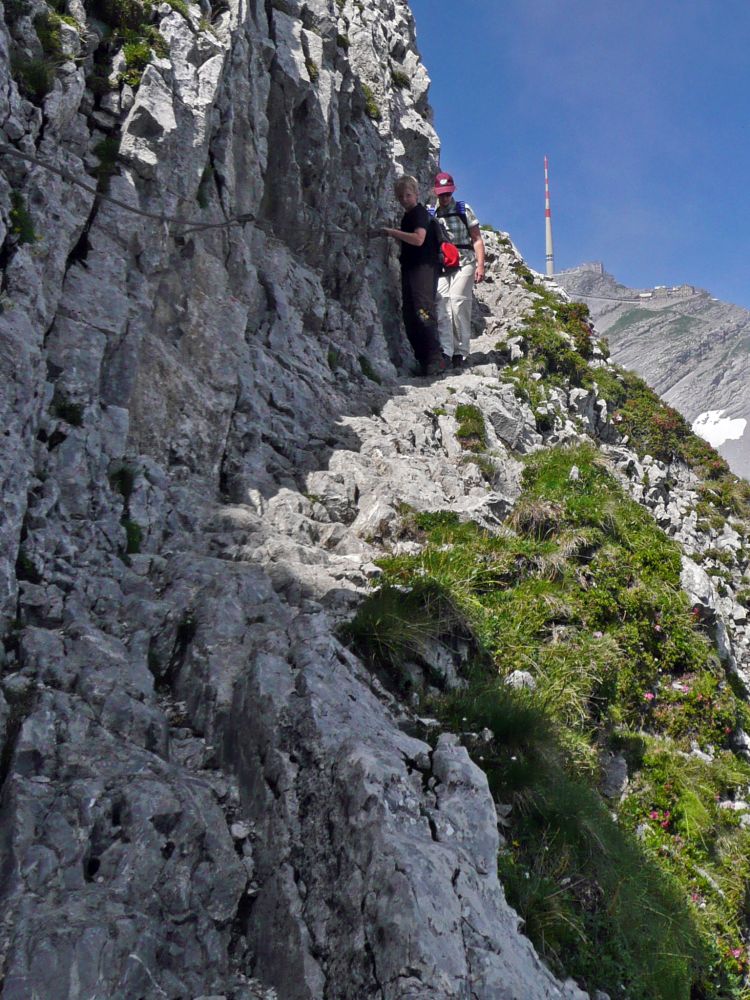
x,y
521,679
698,586
614,776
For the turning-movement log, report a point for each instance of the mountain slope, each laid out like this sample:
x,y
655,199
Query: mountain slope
x,y
693,349
213,782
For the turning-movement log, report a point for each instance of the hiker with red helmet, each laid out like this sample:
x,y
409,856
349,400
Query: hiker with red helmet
x,y
420,267
454,292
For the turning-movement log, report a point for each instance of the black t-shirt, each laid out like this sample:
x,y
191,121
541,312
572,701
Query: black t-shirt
x,y
419,218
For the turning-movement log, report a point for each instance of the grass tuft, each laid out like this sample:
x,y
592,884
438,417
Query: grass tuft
x,y
21,224
471,432
371,105
367,369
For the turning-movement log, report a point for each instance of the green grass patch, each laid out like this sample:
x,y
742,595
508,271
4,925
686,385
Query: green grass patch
x,y
367,369
396,626
681,325
47,27
122,15
21,224
33,76
137,56
630,317
123,481
371,105
26,568
134,536
658,430
581,591
558,344
67,410
107,151
130,24
471,432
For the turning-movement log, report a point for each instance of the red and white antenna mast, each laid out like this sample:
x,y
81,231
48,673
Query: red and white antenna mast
x,y
550,255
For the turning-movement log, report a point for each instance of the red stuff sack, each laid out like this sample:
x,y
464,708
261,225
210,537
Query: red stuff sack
x,y
449,256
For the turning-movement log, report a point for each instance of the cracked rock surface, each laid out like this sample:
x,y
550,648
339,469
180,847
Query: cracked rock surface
x,y
209,438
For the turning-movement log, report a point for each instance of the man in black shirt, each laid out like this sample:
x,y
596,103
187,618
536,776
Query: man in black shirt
x,y
420,268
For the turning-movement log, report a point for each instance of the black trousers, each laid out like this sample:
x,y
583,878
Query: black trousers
x,y
418,293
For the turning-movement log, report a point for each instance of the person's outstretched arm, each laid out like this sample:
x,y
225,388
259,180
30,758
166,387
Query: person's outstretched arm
x,y
416,239
476,238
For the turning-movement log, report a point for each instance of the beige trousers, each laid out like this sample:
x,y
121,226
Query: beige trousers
x,y
454,301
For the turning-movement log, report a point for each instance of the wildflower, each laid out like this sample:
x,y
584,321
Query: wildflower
x,y
598,635
649,696
736,952
653,814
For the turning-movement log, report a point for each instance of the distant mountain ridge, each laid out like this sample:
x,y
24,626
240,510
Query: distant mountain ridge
x,y
692,348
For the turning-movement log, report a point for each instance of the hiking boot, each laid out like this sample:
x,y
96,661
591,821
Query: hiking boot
x,y
457,361
436,366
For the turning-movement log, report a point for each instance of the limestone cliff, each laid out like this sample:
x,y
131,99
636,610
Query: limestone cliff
x,y
207,444
203,791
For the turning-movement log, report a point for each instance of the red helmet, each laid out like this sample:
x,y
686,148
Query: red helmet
x,y
444,184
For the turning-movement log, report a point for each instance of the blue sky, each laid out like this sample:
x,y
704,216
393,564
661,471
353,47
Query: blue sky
x,y
643,108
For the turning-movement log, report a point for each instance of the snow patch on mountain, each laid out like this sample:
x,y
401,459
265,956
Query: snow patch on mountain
x,y
715,428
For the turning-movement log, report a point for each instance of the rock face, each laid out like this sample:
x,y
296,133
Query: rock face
x,y
205,442
690,347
